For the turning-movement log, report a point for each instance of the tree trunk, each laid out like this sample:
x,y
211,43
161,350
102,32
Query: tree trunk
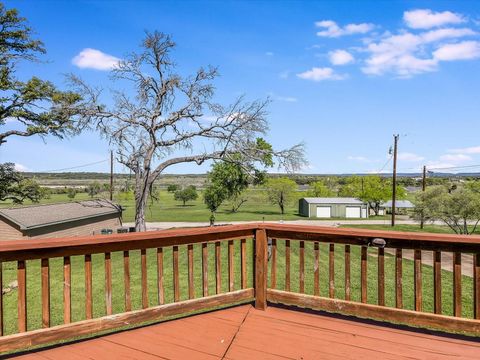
x,y
141,197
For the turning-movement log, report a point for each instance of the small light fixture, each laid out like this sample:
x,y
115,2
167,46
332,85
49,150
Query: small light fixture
x,y
377,242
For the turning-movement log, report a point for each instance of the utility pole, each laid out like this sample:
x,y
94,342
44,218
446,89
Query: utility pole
x,y
111,175
394,182
424,186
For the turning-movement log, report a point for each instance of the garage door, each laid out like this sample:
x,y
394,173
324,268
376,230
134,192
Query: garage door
x,y
353,212
324,211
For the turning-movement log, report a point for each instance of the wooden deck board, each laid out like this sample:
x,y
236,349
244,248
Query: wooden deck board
x,y
277,333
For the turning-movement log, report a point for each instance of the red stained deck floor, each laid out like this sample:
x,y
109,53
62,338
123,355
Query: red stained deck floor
x,y
245,333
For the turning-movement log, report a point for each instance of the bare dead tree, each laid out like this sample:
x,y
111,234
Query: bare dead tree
x,y
170,117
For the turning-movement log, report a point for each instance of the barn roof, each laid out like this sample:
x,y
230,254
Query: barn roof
x,y
36,216
333,200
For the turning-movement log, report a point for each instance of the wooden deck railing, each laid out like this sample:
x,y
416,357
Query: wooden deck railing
x,y
358,272
366,245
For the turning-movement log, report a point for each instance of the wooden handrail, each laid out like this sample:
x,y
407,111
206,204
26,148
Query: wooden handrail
x,y
394,239
13,250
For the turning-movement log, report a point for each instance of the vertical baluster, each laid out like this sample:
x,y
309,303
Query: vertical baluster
x,y
273,268
45,274
381,277
231,273
287,265
160,279
205,268
126,280
191,286
316,270
22,295
457,284
88,287
243,255
347,273
108,283
143,265
218,268
302,267
331,271
1,298
398,279
476,286
67,290
364,285
437,281
176,277
417,270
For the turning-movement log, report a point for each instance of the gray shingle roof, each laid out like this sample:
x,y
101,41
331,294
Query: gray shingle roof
x,y
35,216
333,200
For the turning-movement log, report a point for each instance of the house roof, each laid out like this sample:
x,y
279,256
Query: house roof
x,y
333,200
36,216
399,204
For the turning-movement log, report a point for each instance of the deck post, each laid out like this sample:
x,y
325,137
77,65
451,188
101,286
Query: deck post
x,y
261,269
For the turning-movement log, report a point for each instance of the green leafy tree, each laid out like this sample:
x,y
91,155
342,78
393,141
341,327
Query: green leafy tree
x,y
233,179
15,187
188,194
459,209
94,189
372,189
280,192
171,188
213,196
36,106
71,193
320,189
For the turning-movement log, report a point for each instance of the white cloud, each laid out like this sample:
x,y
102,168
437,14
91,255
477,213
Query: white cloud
x,y
95,59
446,33
455,158
407,54
287,98
359,159
20,167
432,37
320,74
426,18
397,54
332,30
340,57
438,165
269,53
468,150
465,50
410,157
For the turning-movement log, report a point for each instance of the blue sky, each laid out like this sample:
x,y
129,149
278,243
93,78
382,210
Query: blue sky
x,y
343,76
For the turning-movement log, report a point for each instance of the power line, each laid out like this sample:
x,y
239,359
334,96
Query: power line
x,y
75,167
454,167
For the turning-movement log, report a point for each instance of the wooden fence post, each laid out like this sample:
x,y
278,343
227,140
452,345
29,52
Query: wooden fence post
x,y
261,269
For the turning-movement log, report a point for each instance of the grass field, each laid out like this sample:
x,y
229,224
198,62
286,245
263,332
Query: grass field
x,y
78,289
256,208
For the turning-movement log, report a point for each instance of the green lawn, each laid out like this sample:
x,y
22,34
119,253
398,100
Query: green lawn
x,y
256,208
